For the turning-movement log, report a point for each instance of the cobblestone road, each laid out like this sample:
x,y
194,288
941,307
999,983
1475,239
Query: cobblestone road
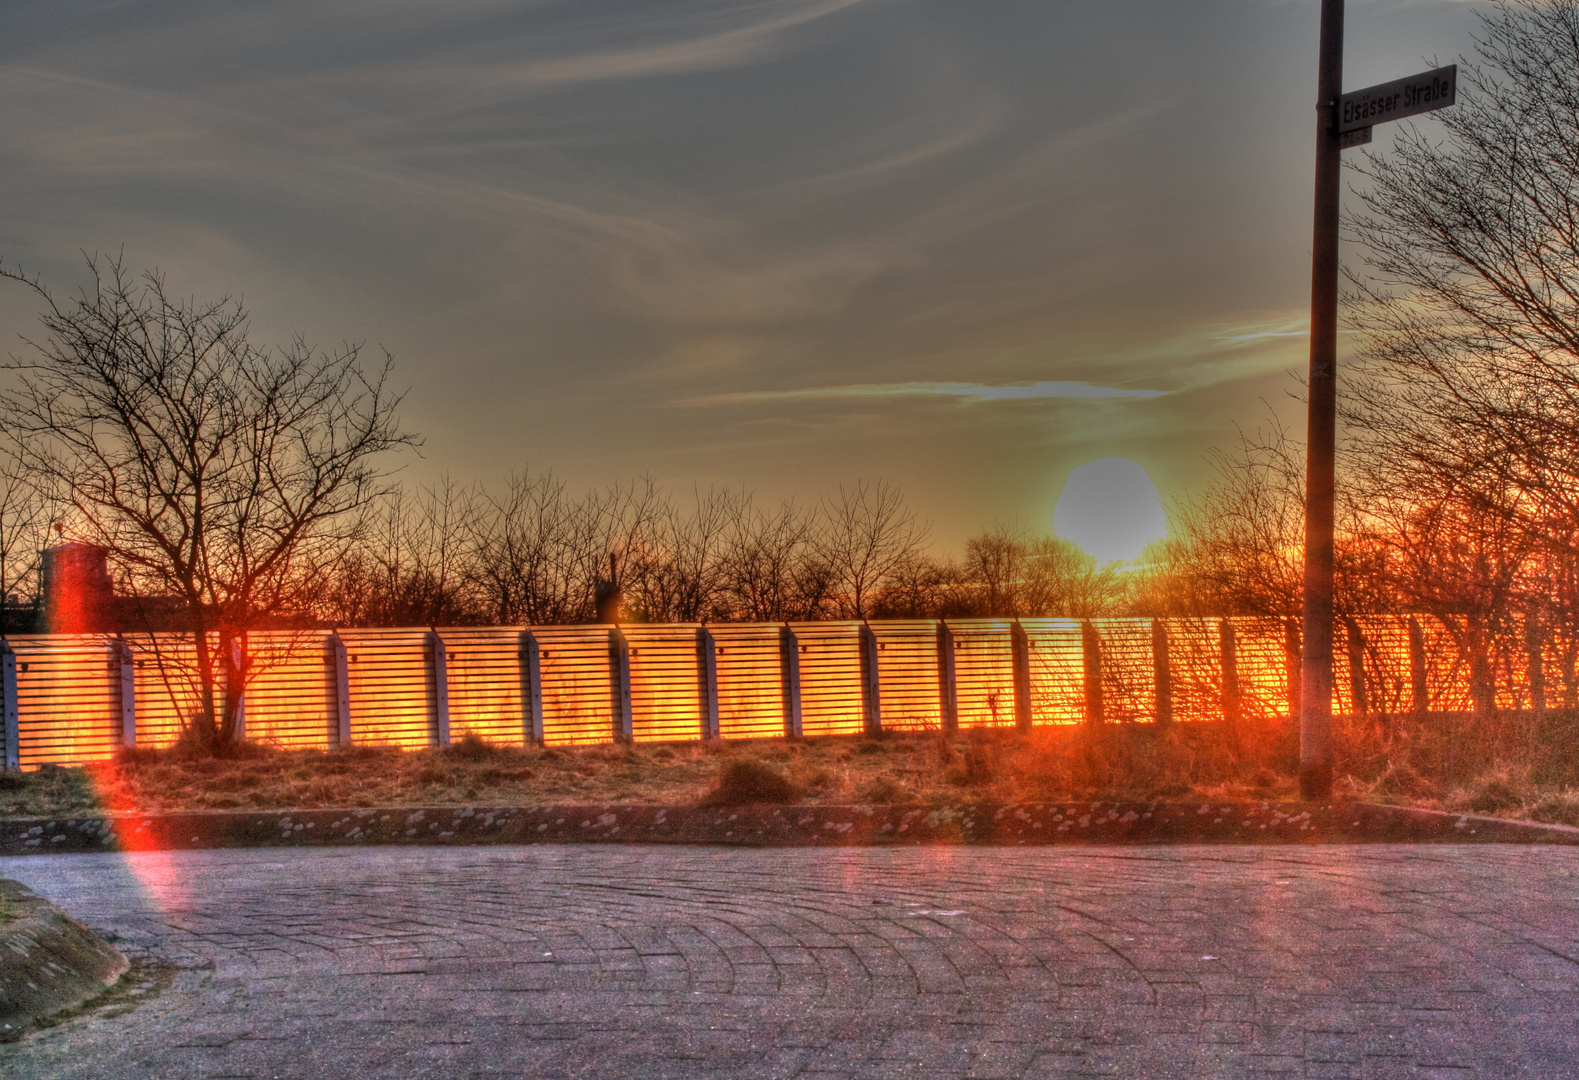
x,y
653,962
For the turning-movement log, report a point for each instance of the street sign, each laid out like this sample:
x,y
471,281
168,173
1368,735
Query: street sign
x,y
1428,91
1357,137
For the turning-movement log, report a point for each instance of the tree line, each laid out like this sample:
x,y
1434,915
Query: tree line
x,y
534,552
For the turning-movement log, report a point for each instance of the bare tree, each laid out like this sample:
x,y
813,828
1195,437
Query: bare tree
x,y
1235,548
229,477
864,535
1014,574
1466,399
923,587
685,579
26,514
766,573
413,565
1059,579
527,552
995,564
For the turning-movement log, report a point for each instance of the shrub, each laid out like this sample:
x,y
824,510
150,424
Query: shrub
x,y
747,780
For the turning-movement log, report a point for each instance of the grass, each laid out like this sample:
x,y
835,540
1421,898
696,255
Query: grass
x,y
978,765
1443,762
1512,765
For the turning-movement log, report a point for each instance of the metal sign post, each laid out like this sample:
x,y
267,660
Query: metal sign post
x,y
1342,120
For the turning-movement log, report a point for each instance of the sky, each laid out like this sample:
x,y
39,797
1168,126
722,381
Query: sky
x,y
770,244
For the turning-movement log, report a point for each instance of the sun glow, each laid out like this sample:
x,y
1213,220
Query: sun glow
x,y
1110,508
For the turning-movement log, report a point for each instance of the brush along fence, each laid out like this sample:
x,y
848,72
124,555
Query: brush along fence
x,y
72,699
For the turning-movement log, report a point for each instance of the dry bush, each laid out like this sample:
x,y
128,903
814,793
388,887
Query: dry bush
x,y
747,781
472,747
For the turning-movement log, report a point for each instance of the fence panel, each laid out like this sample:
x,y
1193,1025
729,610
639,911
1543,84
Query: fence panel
x,y
1196,661
1129,685
907,669
483,669
68,699
1058,694
1560,658
392,700
750,680
830,677
1447,671
289,700
578,687
666,681
1385,659
1510,670
169,689
984,671
1262,649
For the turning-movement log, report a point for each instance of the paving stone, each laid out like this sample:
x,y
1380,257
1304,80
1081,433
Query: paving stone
x,y
1370,962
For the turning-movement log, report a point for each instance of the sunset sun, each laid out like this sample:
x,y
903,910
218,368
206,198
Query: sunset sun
x,y
1110,508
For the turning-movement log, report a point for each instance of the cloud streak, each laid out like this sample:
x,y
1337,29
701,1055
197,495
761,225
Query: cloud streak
x,y
711,51
971,393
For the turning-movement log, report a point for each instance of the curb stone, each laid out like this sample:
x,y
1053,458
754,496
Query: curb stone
x,y
48,962
1225,822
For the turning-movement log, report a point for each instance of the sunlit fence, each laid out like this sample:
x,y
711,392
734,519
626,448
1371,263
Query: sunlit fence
x,y
73,699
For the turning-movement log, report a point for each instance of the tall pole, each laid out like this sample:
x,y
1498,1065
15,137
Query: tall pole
x,y
1315,719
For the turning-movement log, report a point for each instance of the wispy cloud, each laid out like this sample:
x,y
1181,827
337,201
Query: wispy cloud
x,y
718,49
970,392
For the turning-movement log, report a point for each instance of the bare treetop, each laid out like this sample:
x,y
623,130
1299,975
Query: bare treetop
x,y
227,476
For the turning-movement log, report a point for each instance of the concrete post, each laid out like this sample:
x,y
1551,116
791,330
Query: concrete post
x,y
1537,671
12,715
1358,703
948,689
439,673
620,685
789,667
340,672
236,685
871,684
1161,673
1228,650
531,689
1091,650
1419,685
1020,654
128,681
1293,648
707,681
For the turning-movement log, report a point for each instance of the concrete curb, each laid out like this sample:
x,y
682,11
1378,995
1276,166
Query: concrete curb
x,y
782,826
48,962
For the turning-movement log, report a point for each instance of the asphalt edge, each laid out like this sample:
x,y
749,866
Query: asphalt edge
x,y
1162,822
49,962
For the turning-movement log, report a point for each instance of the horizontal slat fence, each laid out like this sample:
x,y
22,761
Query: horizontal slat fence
x,y
74,699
